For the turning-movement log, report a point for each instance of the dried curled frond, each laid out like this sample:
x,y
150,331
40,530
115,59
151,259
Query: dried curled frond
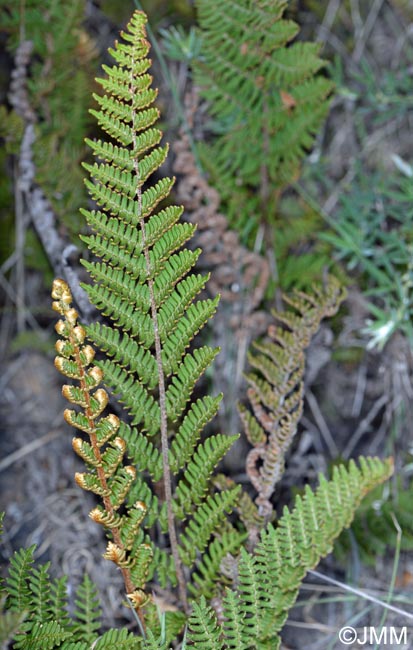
x,y
276,385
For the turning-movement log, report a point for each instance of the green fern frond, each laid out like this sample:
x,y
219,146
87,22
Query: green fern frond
x,y
164,568
186,329
137,400
234,621
17,583
125,351
204,522
59,601
181,387
119,639
193,485
208,573
44,621
144,454
269,579
205,631
87,612
40,588
311,528
253,595
199,414
43,636
257,81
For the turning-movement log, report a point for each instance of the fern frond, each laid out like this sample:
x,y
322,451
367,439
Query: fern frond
x,y
234,622
59,602
125,351
311,528
204,522
17,583
253,596
192,486
87,612
138,401
191,369
40,588
44,636
269,579
200,413
119,639
257,81
196,317
208,573
144,453
276,385
246,65
204,628
165,568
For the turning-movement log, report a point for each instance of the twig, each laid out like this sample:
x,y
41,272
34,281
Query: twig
x,y
328,20
30,199
20,238
28,449
365,32
11,294
360,390
364,425
362,594
321,423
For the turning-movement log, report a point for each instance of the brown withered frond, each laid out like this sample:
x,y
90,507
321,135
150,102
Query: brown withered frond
x,y
276,385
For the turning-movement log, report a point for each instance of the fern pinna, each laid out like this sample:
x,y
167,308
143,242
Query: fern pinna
x,y
143,286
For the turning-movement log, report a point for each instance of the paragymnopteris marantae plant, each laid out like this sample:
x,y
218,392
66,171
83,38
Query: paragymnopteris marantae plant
x,y
164,513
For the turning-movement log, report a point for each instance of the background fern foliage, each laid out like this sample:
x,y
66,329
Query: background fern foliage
x,y
267,102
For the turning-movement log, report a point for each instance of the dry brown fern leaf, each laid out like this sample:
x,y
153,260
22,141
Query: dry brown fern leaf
x,y
276,385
